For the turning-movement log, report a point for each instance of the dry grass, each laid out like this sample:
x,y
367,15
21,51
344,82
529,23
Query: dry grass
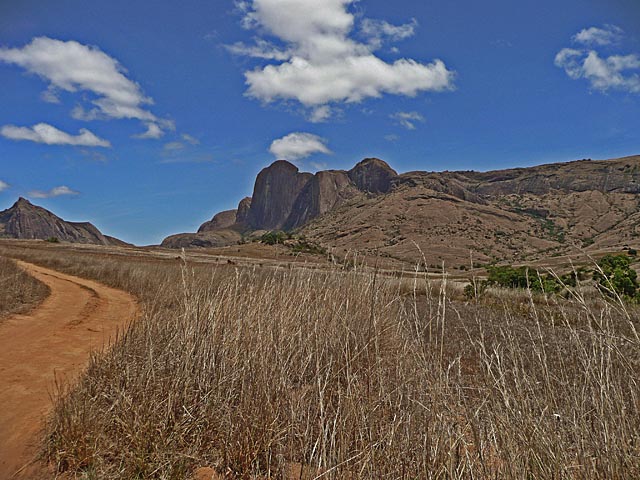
x,y
351,376
19,292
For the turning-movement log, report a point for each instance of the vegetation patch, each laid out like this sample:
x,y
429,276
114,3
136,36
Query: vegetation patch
x,y
19,292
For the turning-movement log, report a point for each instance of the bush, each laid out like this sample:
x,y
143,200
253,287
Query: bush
x,y
274,237
615,276
526,277
52,240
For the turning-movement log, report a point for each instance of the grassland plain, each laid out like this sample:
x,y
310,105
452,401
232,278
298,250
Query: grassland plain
x,y
19,292
346,374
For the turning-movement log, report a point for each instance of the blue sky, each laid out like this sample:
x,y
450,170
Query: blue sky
x,y
146,118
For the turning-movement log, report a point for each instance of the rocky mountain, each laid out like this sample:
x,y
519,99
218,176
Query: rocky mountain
x,y
27,221
223,229
455,217
275,193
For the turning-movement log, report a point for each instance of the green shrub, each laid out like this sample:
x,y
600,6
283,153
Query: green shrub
x,y
274,237
508,276
52,240
615,276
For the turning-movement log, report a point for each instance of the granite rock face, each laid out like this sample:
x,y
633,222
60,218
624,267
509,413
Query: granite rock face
x,y
325,191
606,176
220,221
242,213
208,239
373,175
27,221
275,192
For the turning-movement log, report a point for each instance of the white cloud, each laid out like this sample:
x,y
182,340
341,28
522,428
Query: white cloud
x,y
616,72
613,72
71,66
391,138
378,30
153,131
50,95
3,186
407,119
179,145
320,114
44,133
319,62
608,35
54,192
297,146
262,49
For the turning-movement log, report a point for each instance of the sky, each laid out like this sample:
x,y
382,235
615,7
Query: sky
x,y
148,117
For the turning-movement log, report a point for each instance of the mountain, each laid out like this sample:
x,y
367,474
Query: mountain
x,y
27,221
455,217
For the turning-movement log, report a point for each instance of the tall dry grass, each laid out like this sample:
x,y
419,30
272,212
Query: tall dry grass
x,y
351,376
19,292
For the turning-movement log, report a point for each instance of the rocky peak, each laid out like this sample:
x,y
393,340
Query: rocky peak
x,y
27,221
220,221
243,210
276,189
372,175
23,203
325,191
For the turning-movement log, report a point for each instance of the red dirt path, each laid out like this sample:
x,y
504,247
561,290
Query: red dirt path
x,y
53,341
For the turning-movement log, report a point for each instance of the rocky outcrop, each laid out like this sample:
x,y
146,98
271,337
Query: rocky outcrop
x,y
606,176
275,192
27,221
243,211
325,191
220,221
210,239
545,202
285,199
373,175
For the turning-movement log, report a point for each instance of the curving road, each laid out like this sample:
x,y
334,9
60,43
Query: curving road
x,y
53,341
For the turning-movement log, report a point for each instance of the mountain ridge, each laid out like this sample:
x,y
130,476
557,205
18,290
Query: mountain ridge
x,y
447,216
24,220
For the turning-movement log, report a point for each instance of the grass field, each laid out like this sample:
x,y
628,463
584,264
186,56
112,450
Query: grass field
x,y
18,291
346,374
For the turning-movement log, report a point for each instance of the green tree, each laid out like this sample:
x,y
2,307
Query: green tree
x,y
274,237
615,275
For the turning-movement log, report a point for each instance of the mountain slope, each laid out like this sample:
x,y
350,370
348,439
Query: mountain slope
x,y
27,221
453,217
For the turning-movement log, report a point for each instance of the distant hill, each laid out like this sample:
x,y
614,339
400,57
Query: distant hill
x,y
27,221
455,217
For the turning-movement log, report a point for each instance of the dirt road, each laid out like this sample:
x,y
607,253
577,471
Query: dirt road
x,y
55,340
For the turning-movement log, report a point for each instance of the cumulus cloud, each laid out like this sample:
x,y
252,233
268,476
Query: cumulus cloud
x,y
73,67
47,134
320,114
608,35
297,146
319,63
613,72
3,186
407,119
54,192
